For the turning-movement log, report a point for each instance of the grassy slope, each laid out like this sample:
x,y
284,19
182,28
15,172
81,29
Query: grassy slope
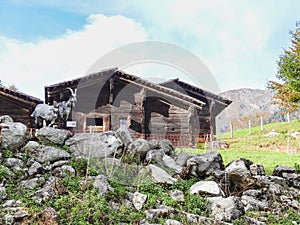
x,y
269,151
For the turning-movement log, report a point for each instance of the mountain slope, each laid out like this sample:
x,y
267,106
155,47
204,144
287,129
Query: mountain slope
x,y
249,104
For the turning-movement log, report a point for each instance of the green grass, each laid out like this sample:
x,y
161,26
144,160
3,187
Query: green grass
x,y
268,151
265,157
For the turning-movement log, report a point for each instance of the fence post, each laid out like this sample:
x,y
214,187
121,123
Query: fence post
x,y
261,124
288,117
231,130
250,127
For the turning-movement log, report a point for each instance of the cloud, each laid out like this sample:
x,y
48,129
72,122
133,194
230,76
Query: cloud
x,y
239,41
31,66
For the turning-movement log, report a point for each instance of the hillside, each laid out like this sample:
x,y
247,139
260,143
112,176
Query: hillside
x,y
58,178
249,104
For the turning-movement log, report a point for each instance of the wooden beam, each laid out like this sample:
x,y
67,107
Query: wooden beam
x,y
166,92
111,91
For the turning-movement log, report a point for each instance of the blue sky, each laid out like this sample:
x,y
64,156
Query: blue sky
x,y
45,42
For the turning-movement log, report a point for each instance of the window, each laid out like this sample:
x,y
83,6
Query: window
x,y
122,123
94,121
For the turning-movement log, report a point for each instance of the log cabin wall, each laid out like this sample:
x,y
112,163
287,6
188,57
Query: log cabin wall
x,y
17,105
214,104
111,99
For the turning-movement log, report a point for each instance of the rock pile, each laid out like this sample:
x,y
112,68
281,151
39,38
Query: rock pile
x,y
39,162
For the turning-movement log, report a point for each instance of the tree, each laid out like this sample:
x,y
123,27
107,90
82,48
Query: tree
x,y
287,93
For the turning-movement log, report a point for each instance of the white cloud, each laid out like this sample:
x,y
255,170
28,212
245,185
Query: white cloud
x,y
31,66
238,40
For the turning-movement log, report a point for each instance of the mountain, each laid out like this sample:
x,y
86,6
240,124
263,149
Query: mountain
x,y
250,104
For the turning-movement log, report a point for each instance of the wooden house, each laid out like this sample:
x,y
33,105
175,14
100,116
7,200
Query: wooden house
x,y
17,105
112,98
214,104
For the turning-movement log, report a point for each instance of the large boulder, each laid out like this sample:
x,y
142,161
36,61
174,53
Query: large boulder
x,y
226,209
167,147
160,176
138,149
102,185
238,167
94,144
50,135
50,154
158,157
256,199
207,164
13,135
210,188
124,136
280,170
138,200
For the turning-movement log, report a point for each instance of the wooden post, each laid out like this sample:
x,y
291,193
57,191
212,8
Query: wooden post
x,y
250,127
141,105
231,130
261,124
111,91
288,117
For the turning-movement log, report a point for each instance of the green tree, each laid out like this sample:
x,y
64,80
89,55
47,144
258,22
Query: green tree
x,y
287,92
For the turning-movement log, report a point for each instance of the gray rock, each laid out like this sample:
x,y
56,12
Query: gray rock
x,y
161,211
172,222
31,146
206,187
101,183
6,172
13,135
50,154
20,214
255,200
226,209
9,219
182,158
158,157
29,184
238,167
155,156
253,221
292,179
207,164
257,169
59,163
160,176
177,195
47,191
154,144
64,171
50,215
171,163
279,170
35,168
167,147
124,136
6,119
14,164
94,144
11,203
138,200
50,135
197,219
273,179
3,194
139,149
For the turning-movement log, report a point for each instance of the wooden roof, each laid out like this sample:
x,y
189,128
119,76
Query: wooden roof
x,y
21,98
104,75
198,93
